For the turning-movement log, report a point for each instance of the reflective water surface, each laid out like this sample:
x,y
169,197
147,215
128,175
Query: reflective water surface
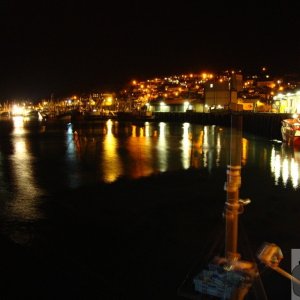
x,y
36,161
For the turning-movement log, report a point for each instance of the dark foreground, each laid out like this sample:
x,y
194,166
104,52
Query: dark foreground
x,y
138,239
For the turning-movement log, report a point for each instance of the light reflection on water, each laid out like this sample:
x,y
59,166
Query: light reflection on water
x,y
162,148
26,191
32,165
285,166
112,167
186,145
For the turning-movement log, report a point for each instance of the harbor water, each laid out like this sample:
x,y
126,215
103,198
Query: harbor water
x,y
39,163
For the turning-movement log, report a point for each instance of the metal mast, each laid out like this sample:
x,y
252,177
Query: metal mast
x,y
229,277
232,185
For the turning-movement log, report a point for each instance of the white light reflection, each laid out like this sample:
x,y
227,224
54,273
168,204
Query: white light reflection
x,y
275,165
205,137
18,125
205,146
25,203
161,147
186,146
147,129
71,156
285,166
285,171
209,147
295,173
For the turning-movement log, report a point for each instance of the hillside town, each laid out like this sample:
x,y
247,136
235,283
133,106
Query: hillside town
x,y
201,92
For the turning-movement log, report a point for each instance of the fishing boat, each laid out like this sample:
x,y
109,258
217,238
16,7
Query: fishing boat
x,y
290,131
33,119
98,115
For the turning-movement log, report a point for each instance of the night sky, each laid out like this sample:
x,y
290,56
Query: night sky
x,y
67,47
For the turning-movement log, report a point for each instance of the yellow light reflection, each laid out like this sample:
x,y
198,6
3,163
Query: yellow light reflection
x,y
141,133
112,166
139,149
244,151
133,132
197,150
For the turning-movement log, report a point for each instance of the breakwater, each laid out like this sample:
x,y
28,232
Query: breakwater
x,y
263,124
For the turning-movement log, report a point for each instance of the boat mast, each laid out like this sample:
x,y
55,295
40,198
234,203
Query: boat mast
x,y
229,277
232,205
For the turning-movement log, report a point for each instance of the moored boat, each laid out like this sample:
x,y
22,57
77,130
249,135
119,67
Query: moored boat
x,y
32,119
290,131
98,115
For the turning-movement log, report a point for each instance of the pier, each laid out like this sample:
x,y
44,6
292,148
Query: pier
x,y
263,124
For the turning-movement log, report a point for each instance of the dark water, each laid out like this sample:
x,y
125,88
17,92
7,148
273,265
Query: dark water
x,y
37,162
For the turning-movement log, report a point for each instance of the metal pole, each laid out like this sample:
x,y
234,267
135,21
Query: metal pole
x,y
233,183
286,274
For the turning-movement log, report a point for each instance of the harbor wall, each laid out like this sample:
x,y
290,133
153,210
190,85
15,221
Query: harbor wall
x,y
263,124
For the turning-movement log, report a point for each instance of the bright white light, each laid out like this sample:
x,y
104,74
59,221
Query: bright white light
x,y
17,110
147,129
186,105
280,96
186,144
